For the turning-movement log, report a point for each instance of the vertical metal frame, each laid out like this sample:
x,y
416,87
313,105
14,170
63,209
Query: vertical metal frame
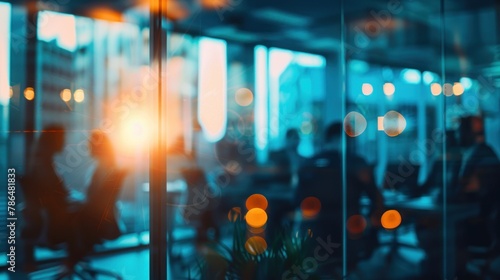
x,y
158,165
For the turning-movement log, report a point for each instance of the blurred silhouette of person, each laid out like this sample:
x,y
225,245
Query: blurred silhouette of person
x,y
322,178
201,205
97,214
474,179
359,173
478,158
47,211
453,159
288,159
479,183
235,152
428,228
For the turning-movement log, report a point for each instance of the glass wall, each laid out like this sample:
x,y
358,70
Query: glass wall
x,y
75,137
250,139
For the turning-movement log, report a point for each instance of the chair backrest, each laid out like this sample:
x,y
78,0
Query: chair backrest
x,y
321,180
403,178
100,207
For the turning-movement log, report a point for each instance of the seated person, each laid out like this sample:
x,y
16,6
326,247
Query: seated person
x,y
47,213
288,160
359,173
453,161
474,181
322,178
97,215
478,179
479,158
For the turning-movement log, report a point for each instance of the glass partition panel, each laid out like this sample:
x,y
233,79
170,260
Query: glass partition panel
x,y
471,93
228,139
253,85
75,134
392,139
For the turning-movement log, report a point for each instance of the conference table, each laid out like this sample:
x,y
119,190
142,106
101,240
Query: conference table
x,y
450,215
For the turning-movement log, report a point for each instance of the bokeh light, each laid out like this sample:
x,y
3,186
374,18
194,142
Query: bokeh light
x,y
391,219
380,123
256,217
436,89
389,89
79,95
29,93
466,82
428,77
256,245
214,4
356,224
243,97
234,214
104,13
134,133
367,89
11,92
394,123
448,89
354,124
458,89
310,206
65,95
256,201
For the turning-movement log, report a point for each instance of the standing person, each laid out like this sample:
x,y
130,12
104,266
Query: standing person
x,y
46,212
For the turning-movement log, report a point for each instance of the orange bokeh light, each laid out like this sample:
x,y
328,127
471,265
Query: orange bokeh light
x,y
105,13
436,89
243,97
256,245
389,89
354,124
356,224
65,95
256,201
394,123
256,217
29,93
391,219
367,89
310,206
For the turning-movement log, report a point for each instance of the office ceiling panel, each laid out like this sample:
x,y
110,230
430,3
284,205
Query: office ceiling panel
x,y
409,31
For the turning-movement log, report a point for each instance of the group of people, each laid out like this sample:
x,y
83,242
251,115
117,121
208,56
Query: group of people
x,y
50,217
471,176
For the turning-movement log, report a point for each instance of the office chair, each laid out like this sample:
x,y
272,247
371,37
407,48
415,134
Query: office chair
x,y
320,181
485,259
405,181
101,211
